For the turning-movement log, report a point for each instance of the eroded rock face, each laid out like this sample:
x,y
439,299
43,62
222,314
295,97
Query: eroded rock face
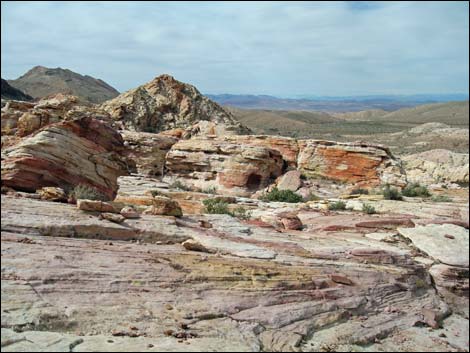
x,y
235,168
286,146
437,166
66,154
165,103
354,163
147,151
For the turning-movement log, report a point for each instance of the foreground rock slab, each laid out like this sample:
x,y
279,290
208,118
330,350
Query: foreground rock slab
x,y
447,243
73,282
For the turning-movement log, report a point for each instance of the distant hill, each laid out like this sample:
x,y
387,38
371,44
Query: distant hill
x,y
41,81
331,104
9,92
452,113
309,124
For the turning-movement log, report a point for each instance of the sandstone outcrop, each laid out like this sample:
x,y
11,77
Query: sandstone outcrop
x,y
437,166
147,151
165,103
66,154
232,168
24,118
354,163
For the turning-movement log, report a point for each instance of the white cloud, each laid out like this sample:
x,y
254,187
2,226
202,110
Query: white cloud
x,y
329,48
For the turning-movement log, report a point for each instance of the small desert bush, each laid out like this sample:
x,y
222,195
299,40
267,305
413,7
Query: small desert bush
x,y
282,196
415,190
337,206
369,209
242,213
311,197
441,198
211,190
390,193
359,191
83,191
216,206
179,185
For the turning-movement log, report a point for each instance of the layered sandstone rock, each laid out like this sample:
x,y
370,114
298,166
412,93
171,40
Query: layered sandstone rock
x,y
24,118
286,146
66,154
147,151
165,103
437,166
235,168
354,163
233,286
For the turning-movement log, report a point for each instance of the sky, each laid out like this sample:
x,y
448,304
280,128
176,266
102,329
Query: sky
x,y
285,49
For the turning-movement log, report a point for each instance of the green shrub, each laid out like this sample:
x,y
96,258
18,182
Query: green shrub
x,y
215,206
311,197
83,191
391,193
441,198
337,206
179,185
369,209
156,193
416,189
212,190
359,191
282,196
242,213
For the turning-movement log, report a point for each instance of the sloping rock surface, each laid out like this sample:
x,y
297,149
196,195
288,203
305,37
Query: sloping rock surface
x,y
66,154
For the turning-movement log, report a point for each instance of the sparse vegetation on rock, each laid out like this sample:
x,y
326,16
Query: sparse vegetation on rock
x,y
368,209
87,192
391,193
337,206
276,195
416,190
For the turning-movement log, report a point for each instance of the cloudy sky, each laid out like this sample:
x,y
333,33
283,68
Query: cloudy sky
x,y
277,48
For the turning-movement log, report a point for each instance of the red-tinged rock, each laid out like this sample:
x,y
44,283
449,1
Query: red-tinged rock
x,y
341,279
387,223
354,163
66,154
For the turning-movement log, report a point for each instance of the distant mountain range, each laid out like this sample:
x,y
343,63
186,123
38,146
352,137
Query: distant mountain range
x,y
41,81
333,104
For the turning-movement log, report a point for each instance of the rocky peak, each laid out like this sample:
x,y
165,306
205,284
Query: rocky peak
x,y
166,103
41,81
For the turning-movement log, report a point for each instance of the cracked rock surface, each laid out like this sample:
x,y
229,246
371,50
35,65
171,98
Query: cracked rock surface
x,y
74,282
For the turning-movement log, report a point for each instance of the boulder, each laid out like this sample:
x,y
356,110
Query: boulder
x,y
66,154
290,181
113,217
129,212
164,206
95,206
50,193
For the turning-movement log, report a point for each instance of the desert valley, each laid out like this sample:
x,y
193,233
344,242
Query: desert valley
x,y
159,220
